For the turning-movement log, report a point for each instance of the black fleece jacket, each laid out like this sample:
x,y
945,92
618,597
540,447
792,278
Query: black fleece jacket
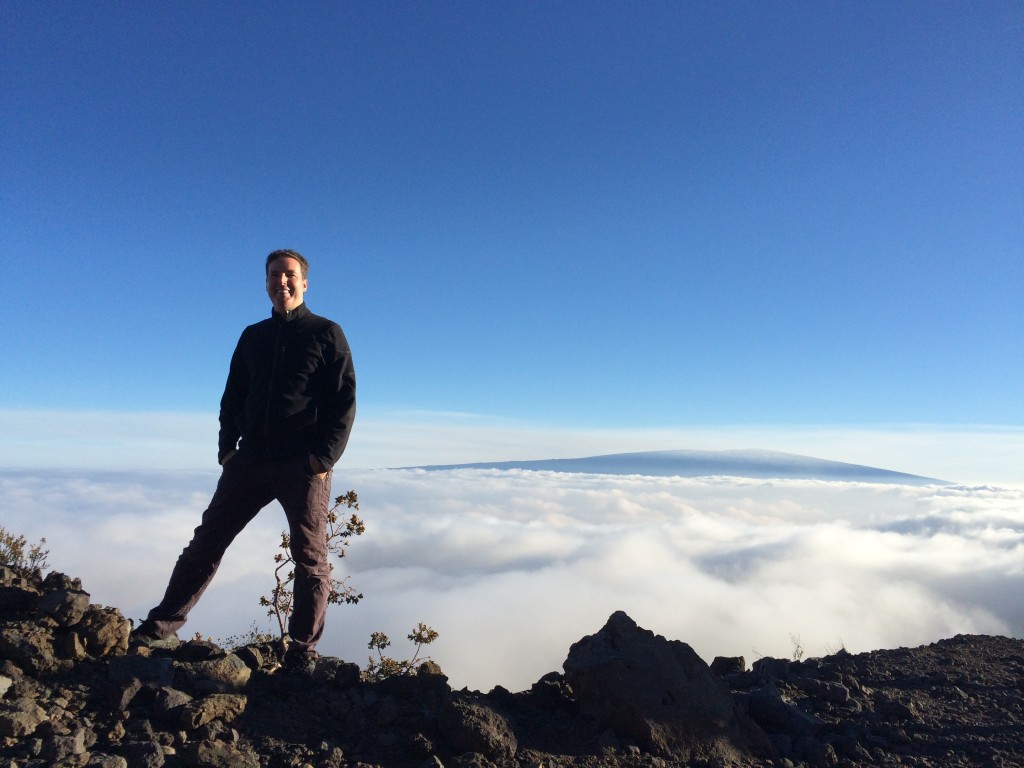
x,y
291,390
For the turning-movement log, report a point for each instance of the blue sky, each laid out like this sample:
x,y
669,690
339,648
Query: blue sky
x,y
549,230
565,216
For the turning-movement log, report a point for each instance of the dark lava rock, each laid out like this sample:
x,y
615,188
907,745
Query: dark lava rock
x,y
661,695
73,694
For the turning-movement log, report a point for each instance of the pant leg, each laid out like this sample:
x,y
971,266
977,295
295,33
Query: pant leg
x,y
305,498
242,491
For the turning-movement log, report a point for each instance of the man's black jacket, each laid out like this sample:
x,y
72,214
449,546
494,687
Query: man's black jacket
x,y
291,390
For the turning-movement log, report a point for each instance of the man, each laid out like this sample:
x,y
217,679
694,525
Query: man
x,y
285,418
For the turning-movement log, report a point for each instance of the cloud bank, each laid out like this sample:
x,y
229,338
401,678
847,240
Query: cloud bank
x,y
511,567
115,441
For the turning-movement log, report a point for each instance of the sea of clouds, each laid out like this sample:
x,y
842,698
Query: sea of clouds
x,y
512,567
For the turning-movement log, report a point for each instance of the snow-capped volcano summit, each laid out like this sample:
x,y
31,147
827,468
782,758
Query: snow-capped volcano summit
x,y
738,463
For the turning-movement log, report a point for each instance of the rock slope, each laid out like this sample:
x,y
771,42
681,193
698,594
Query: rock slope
x,y
72,693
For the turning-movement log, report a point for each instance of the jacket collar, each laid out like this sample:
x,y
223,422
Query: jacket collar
x,y
289,316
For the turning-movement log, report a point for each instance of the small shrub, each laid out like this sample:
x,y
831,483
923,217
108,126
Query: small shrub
x,y
254,636
798,648
339,531
385,666
832,650
279,603
16,552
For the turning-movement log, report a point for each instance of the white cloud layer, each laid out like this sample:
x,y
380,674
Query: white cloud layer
x,y
187,441
512,567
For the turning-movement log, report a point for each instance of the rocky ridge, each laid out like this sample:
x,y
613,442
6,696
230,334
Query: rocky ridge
x,y
72,693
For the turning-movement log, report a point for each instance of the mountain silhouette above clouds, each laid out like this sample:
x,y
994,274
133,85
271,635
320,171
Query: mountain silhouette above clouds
x,y
751,463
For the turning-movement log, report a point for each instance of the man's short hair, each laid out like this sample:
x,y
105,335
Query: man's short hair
x,y
289,254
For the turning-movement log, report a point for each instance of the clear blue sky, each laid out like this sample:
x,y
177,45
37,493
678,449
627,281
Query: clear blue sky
x,y
585,215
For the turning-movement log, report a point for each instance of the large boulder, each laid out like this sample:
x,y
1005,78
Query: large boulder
x,y
222,674
157,670
65,606
104,631
27,645
219,754
20,718
661,695
473,727
778,714
222,706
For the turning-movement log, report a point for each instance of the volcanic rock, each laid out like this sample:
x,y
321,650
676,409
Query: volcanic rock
x,y
660,694
73,694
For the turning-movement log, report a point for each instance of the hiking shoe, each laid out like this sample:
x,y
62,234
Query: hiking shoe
x,y
154,642
299,663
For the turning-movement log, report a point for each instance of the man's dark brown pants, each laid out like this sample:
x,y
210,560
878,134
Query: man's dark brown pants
x,y
247,485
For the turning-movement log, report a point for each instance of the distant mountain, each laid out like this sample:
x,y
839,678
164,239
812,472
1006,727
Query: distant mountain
x,y
745,463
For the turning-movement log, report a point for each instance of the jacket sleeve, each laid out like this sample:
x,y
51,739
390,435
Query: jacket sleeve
x,y
232,403
336,410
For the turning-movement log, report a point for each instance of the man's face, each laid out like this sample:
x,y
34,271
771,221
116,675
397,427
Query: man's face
x,y
285,283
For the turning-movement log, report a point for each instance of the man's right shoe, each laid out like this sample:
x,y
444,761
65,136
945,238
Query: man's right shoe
x,y
299,663
154,642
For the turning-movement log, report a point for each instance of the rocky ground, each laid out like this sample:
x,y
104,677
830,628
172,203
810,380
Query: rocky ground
x,y
72,693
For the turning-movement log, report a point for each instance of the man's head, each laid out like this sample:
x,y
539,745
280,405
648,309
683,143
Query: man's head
x,y
288,253
286,279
